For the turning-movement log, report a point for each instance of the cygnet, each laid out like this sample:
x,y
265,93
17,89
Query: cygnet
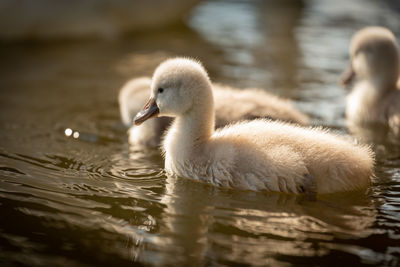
x,y
375,97
259,155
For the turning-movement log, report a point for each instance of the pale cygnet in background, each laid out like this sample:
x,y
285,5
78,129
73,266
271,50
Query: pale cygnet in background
x,y
230,104
375,97
254,155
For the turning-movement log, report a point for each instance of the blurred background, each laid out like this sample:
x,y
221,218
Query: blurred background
x,y
90,199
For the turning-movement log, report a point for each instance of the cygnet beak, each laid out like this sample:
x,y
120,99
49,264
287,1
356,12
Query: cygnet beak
x,y
150,110
347,76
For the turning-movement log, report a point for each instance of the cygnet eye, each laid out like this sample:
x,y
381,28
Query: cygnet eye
x,y
160,90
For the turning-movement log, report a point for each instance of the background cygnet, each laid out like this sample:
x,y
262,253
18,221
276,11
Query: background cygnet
x,y
253,155
231,105
375,97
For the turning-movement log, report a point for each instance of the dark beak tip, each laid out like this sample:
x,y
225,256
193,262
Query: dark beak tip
x,y
141,117
137,122
347,76
150,110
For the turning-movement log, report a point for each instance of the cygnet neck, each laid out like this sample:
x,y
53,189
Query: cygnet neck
x,y
197,124
382,84
386,76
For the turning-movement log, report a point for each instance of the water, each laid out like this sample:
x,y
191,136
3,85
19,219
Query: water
x,y
93,200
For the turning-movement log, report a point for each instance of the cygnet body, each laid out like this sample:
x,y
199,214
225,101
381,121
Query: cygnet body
x,y
249,104
257,155
375,97
252,103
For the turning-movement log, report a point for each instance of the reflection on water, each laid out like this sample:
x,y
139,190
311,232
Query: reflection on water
x,y
254,227
72,192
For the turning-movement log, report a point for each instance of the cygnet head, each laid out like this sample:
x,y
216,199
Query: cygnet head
x,y
178,86
374,57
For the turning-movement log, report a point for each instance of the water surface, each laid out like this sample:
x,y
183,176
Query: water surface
x,y
93,200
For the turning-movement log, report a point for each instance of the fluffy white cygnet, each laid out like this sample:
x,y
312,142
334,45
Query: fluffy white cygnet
x,y
375,97
231,105
254,155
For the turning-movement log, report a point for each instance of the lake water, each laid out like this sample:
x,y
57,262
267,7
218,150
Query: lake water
x,y
83,197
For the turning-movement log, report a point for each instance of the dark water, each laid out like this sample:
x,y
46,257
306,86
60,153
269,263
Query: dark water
x,y
93,200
